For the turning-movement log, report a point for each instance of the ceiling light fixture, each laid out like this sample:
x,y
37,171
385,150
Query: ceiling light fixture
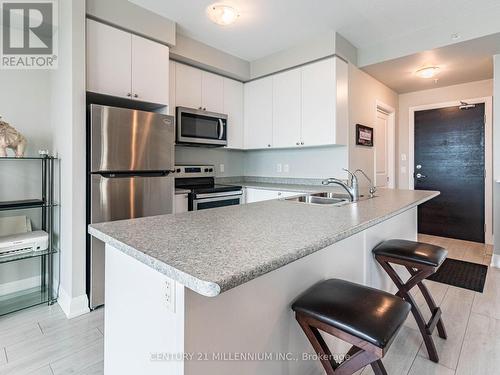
x,y
427,72
222,14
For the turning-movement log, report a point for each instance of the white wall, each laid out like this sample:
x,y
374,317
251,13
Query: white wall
x,y
24,103
364,92
496,159
440,95
318,162
68,118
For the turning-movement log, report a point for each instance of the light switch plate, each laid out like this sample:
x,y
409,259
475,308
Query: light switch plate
x,y
403,157
278,168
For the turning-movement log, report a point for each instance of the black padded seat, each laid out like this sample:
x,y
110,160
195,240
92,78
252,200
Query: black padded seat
x,y
369,314
411,251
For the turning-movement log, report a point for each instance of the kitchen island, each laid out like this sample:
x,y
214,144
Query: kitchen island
x,y
209,292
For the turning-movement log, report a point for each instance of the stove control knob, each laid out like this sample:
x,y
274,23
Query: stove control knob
x,y
206,170
211,170
178,170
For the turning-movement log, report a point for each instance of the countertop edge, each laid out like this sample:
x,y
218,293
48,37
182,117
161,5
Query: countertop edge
x,y
213,289
205,288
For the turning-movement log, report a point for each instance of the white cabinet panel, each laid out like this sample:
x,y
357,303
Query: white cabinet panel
x,y
172,80
259,113
109,68
150,67
181,203
187,86
259,195
287,109
318,103
233,107
212,91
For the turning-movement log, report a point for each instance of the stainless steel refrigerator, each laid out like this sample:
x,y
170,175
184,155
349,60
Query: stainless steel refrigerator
x,y
130,161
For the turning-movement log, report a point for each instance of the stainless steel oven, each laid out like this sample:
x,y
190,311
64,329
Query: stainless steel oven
x,y
199,127
213,200
204,192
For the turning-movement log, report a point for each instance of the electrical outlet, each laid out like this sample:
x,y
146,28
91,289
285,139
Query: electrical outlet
x,y
278,168
170,295
221,168
286,168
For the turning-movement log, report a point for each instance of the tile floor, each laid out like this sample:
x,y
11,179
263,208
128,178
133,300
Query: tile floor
x,y
41,341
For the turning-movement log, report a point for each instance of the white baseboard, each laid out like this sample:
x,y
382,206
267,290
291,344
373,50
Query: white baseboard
x,y
495,261
73,307
18,285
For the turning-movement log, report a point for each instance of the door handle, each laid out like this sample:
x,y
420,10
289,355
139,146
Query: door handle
x,y
221,129
420,175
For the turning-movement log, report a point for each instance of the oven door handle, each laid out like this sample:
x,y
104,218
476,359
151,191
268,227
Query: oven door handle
x,y
221,129
223,194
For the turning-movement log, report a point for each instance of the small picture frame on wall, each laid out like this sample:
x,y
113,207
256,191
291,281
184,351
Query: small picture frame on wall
x,y
364,135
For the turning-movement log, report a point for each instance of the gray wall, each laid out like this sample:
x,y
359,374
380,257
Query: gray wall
x,y
128,16
318,162
233,160
24,103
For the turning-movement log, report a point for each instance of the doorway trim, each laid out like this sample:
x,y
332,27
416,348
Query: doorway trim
x,y
391,140
488,153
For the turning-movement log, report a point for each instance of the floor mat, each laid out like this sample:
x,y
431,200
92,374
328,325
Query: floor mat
x,y
462,274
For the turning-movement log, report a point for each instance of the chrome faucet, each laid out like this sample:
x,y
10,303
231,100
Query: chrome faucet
x,y
351,186
372,190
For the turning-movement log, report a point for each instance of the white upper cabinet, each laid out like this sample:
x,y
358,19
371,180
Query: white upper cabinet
x,y
150,71
308,107
318,103
198,89
287,108
171,92
125,65
109,67
212,92
233,107
187,86
259,113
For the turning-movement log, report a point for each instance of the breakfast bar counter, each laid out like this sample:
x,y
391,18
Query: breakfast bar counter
x,y
200,292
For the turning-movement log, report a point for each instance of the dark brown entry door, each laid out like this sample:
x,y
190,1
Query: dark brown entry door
x,y
449,157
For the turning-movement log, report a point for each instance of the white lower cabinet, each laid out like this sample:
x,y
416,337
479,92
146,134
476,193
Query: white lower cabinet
x,y
180,203
258,195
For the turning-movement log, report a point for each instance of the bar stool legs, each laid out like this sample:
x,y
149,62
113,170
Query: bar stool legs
x,y
356,358
417,275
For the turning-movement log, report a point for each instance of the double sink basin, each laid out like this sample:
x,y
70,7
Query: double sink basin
x,y
326,198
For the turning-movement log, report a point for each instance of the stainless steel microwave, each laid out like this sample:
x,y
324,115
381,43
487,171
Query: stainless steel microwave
x,y
199,127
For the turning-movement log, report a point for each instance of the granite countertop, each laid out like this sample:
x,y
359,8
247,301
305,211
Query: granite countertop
x,y
300,188
241,243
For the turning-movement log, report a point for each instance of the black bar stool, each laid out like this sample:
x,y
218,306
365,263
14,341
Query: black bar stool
x,y
421,260
366,318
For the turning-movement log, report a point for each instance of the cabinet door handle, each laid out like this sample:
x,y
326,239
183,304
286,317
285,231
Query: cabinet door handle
x,y
136,96
297,143
129,94
268,145
302,143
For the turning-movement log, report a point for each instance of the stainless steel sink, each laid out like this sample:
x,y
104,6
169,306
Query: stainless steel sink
x,y
325,198
321,198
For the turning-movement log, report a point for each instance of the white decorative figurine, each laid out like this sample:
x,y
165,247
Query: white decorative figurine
x,y
11,138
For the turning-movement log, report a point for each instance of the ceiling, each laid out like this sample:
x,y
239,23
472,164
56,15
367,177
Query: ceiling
x,y
459,63
381,29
